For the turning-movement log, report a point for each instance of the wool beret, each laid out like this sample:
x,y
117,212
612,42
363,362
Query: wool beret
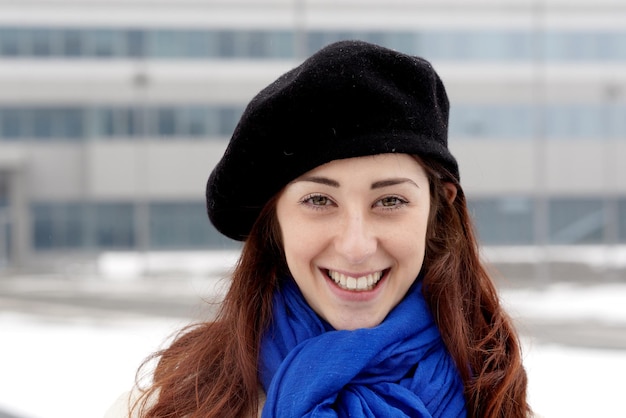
x,y
350,99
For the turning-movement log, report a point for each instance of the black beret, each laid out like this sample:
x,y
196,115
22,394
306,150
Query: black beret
x,y
349,99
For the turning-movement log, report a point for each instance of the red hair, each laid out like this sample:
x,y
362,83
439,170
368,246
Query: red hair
x,y
210,370
477,332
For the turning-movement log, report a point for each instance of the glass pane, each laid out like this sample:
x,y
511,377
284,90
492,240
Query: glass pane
x,y
503,221
72,42
71,123
197,44
226,44
576,221
213,121
196,121
255,44
564,46
114,225
58,225
104,43
166,44
315,41
41,42
11,123
104,125
557,121
44,233
519,45
619,45
228,119
73,224
10,42
407,42
42,123
137,121
470,121
135,42
184,225
281,44
617,123
379,38
166,121
507,121
604,46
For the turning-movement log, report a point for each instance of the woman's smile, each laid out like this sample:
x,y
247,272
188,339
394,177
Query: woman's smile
x,y
355,282
354,233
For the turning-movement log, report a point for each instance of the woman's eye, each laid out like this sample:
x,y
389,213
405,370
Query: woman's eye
x,y
391,202
318,200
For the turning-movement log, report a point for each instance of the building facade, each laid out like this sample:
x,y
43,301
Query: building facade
x,y
113,113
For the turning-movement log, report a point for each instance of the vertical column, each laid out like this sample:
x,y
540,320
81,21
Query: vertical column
x,y
541,223
19,218
4,219
611,208
300,31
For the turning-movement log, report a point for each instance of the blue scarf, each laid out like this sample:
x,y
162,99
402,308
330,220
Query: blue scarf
x,y
399,368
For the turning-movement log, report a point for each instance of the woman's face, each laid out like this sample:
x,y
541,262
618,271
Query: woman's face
x,y
354,234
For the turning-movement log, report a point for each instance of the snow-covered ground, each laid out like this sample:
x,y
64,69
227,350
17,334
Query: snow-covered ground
x,y
75,368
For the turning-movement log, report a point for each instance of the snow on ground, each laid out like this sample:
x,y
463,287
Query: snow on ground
x,y
604,302
53,368
571,382
71,369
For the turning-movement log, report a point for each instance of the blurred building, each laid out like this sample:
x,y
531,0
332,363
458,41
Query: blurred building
x,y
113,113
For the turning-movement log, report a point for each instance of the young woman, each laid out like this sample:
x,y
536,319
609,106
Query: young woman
x,y
359,291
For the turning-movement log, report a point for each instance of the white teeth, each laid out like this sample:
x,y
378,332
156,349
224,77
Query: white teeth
x,y
366,282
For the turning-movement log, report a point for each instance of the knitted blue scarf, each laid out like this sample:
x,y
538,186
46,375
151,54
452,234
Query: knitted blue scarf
x,y
399,368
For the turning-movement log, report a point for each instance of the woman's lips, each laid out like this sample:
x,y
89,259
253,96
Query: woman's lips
x,y
362,283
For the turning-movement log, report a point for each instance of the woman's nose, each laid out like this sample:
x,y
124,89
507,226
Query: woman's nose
x,y
355,240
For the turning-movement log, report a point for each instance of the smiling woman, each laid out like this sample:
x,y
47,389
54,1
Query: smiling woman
x,y
359,291
354,233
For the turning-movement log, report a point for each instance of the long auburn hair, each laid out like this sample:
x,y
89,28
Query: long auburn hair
x,y
210,370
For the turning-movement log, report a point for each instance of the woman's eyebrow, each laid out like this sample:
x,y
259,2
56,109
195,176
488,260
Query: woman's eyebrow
x,y
392,182
376,185
320,180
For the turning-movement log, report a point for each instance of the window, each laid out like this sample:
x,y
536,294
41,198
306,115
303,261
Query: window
x,y
183,225
281,44
10,42
42,123
103,43
76,225
460,45
166,117
576,221
409,42
166,44
255,44
135,42
72,123
58,225
104,122
227,47
467,121
575,121
42,42
228,118
194,121
11,123
114,225
503,220
71,43
197,44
